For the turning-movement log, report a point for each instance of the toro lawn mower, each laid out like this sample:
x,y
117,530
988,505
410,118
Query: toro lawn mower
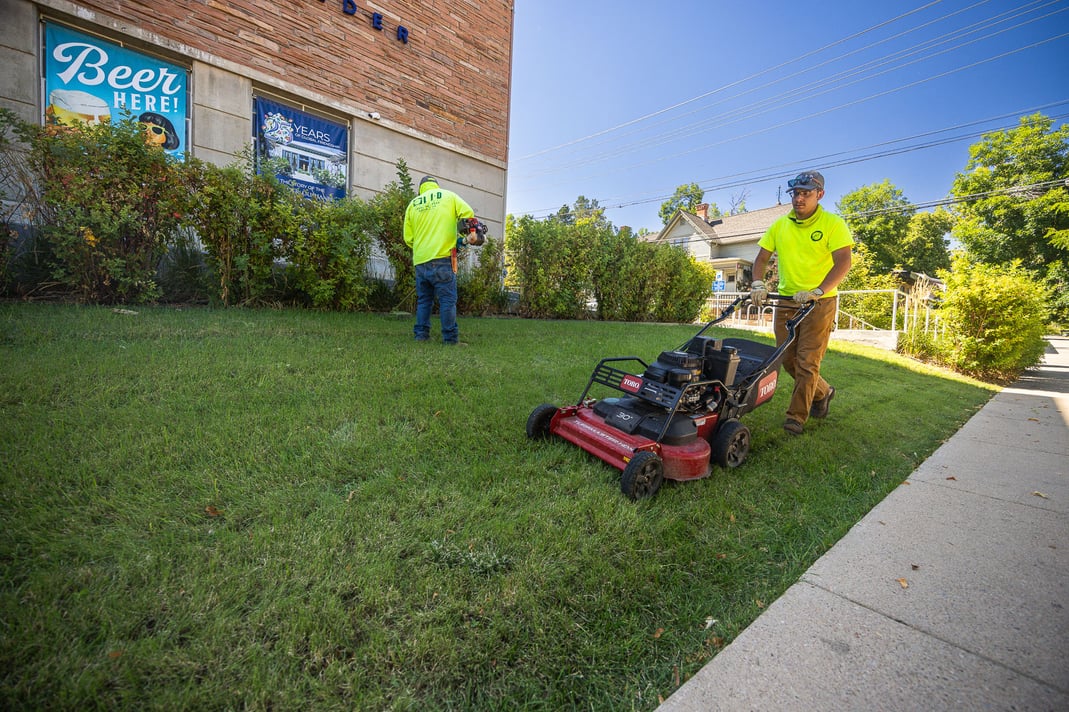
x,y
677,415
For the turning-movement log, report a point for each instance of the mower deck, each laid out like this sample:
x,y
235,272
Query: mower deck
x,y
582,426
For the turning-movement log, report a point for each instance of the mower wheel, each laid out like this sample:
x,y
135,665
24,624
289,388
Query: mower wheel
x,y
539,420
731,444
643,475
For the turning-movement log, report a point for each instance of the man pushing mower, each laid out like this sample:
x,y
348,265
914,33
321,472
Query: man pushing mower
x,y
813,248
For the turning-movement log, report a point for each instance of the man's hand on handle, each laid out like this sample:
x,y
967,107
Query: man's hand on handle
x,y
806,296
758,293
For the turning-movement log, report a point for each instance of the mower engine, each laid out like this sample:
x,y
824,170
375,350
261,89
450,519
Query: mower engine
x,y
705,359
677,369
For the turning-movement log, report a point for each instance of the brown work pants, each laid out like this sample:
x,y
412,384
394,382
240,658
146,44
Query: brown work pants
x,y
802,358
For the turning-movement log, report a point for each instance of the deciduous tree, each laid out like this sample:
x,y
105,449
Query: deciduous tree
x,y
583,210
924,248
879,216
687,197
1016,204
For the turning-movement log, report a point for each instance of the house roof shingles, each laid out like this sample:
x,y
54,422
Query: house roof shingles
x,y
729,229
748,226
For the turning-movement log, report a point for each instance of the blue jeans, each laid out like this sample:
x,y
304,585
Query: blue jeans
x,y
436,279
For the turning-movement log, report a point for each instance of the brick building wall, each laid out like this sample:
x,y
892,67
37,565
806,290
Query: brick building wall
x,y
440,100
450,80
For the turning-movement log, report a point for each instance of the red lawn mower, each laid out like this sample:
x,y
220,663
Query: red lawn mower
x,y
677,415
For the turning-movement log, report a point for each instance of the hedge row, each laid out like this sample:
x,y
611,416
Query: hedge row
x,y
99,216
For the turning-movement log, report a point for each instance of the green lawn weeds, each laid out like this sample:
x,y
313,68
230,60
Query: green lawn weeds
x,y
291,510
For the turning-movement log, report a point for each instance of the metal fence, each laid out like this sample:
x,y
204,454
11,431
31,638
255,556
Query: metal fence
x,y
904,312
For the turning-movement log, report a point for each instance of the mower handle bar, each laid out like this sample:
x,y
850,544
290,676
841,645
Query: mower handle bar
x,y
772,296
791,325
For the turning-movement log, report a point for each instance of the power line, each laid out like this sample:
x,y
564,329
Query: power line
x,y
771,172
806,92
913,208
826,86
832,109
847,161
735,83
952,40
971,197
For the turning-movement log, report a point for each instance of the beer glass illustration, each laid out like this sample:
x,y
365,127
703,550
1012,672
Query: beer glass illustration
x,y
69,107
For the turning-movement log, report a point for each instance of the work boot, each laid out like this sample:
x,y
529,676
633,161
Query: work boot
x,y
819,409
793,427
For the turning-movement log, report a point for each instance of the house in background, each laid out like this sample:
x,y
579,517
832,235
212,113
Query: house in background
x,y
728,244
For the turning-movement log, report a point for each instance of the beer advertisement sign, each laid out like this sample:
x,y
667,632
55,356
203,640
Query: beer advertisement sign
x,y
89,80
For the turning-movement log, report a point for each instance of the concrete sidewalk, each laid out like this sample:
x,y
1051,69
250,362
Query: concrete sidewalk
x,y
951,594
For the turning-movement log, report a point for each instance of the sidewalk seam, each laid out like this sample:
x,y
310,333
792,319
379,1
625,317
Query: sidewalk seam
x,y
1003,500
933,636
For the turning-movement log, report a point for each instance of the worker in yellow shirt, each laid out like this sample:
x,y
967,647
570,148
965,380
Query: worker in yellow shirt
x,y
813,252
431,231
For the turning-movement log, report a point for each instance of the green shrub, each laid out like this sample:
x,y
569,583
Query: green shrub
x,y
183,272
113,219
682,285
995,317
330,253
389,207
551,261
28,261
918,343
1057,283
116,220
248,225
479,289
380,295
623,285
21,253
111,204
872,308
563,269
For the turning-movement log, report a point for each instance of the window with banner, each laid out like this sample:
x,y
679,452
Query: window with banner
x,y
307,153
89,80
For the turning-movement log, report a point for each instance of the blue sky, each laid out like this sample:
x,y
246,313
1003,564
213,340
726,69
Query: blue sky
x,y
623,101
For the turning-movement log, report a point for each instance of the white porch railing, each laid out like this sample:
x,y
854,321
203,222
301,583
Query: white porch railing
x,y
906,312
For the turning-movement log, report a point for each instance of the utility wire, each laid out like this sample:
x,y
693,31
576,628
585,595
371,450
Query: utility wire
x,y
929,45
843,162
832,109
772,172
806,90
912,208
806,70
735,83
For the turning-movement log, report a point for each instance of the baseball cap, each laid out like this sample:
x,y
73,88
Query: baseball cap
x,y
427,179
807,180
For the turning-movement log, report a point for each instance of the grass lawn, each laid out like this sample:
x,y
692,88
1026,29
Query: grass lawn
x,y
291,510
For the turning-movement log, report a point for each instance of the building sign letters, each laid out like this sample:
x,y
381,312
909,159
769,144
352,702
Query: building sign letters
x,y
349,8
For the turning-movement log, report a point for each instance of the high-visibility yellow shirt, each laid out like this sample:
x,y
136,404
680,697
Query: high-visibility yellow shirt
x,y
431,222
804,249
